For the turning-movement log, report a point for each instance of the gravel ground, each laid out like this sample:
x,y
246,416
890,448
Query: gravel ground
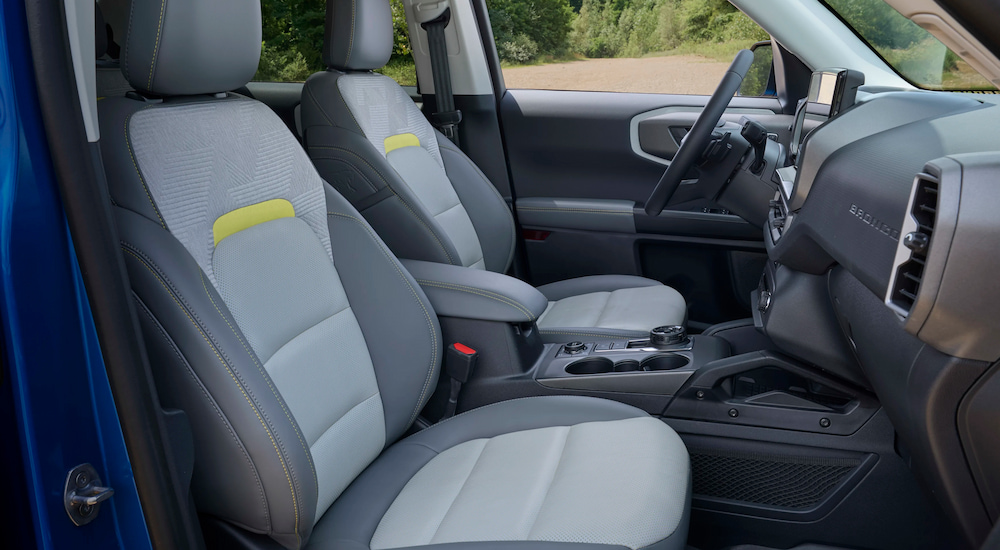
x,y
675,74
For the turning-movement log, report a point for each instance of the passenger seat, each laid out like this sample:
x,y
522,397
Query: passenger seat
x,y
426,198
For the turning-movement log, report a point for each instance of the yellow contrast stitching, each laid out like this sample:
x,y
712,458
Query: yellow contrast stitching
x,y
128,145
156,47
266,377
350,46
235,381
481,292
208,398
427,316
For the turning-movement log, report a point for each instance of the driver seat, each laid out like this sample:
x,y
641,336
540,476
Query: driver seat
x,y
426,198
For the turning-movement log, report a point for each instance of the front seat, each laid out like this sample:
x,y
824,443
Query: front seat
x,y
425,197
302,351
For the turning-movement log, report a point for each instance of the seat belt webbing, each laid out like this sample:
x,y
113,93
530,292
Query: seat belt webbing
x,y
445,117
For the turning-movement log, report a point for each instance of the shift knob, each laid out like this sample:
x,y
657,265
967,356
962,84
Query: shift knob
x,y
668,335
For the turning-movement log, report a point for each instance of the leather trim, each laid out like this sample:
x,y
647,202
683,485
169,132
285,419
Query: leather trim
x,y
581,214
171,286
358,34
356,250
594,283
178,47
476,294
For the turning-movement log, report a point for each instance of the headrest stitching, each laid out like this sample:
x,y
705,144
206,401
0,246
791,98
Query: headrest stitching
x,y
350,45
156,47
128,41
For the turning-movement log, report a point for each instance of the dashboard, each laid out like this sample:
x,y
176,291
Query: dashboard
x,y
888,221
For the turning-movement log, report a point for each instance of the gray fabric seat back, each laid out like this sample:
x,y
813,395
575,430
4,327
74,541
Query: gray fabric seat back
x,y
423,195
254,282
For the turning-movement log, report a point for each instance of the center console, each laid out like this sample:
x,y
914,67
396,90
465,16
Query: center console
x,y
658,365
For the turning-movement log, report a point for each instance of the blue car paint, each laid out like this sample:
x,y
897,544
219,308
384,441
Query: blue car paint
x,y
64,408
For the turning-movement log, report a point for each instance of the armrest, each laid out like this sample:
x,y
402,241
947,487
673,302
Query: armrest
x,y
584,214
456,291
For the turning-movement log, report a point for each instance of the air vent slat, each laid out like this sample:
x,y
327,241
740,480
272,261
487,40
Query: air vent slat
x,y
906,286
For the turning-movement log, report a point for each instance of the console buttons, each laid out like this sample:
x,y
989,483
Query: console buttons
x,y
574,347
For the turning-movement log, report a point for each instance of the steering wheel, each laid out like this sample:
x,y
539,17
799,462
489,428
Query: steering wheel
x,y
694,143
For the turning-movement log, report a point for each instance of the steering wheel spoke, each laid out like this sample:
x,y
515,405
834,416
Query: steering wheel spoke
x,y
697,139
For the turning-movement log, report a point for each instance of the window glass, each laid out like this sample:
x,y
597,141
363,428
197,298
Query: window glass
x,y
293,38
654,46
910,50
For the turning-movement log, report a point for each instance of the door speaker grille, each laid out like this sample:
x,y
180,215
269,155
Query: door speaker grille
x,y
779,481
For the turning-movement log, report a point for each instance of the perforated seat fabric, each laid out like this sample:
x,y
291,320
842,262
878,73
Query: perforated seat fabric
x,y
264,300
423,195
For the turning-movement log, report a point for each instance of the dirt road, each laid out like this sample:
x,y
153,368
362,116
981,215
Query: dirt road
x,y
676,74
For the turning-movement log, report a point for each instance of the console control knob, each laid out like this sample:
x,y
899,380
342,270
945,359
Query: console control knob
x,y
668,335
574,347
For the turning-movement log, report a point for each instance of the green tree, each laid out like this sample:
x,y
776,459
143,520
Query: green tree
x,y
521,27
293,39
879,23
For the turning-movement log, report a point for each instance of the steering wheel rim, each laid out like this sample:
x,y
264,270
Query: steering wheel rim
x,y
694,143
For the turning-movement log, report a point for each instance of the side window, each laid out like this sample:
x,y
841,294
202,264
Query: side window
x,y
648,46
293,41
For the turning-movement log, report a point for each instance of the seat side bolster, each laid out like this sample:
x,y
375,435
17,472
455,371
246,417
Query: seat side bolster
x,y
488,211
594,283
323,105
125,183
407,361
477,294
348,161
264,478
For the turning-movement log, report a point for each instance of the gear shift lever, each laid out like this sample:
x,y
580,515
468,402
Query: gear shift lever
x,y
669,335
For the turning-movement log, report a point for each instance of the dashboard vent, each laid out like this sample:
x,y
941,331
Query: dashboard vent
x,y
910,273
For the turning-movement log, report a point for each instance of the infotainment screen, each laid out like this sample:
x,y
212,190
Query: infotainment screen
x,y
822,87
831,91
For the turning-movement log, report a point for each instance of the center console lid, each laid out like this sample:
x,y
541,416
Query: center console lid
x,y
466,293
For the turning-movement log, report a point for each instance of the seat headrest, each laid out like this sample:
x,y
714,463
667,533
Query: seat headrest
x,y
189,47
358,34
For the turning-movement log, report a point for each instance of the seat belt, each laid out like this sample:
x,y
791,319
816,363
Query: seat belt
x,y
446,117
459,364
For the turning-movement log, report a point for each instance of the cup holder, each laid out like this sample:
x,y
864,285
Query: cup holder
x,y
627,365
668,361
591,365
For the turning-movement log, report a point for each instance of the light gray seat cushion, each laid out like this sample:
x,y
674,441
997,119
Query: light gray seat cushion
x,y
608,305
529,471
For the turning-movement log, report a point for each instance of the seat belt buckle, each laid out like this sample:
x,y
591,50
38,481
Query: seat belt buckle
x,y
460,362
447,122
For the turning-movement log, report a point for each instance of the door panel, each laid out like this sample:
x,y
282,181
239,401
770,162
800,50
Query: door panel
x,y
578,144
578,159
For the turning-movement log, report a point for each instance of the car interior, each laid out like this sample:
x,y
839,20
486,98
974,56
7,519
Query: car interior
x,y
348,314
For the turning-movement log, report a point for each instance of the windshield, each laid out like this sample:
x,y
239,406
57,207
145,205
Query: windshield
x,y
910,50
